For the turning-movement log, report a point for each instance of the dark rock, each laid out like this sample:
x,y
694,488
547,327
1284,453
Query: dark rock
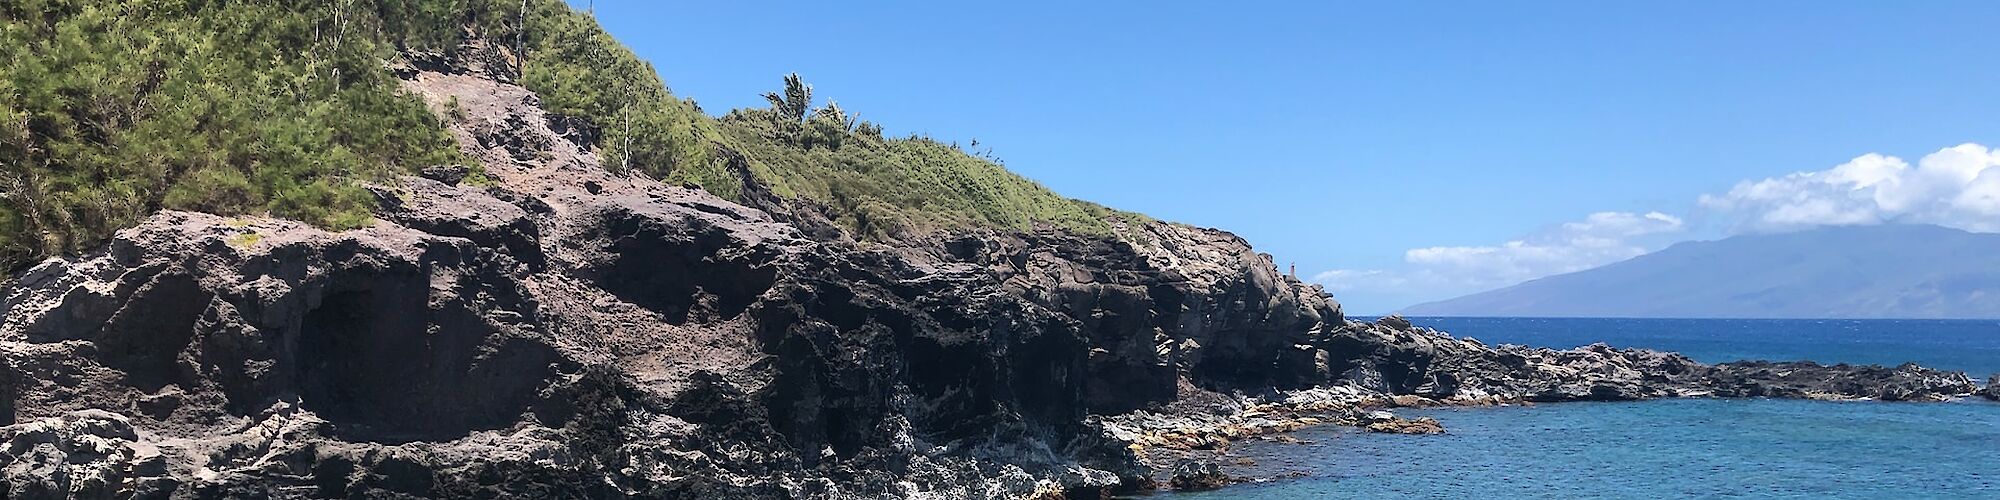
x,y
1396,360
443,209
1384,422
1806,379
575,129
82,454
450,175
1198,475
1394,322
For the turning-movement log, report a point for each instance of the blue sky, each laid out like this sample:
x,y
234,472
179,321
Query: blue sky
x,y
1394,150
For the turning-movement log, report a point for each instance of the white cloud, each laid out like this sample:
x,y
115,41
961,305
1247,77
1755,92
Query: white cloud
x,y
1601,238
1341,280
1957,187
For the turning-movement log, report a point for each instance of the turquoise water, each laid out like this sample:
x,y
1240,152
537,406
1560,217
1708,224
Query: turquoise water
x,y
1695,448
1654,449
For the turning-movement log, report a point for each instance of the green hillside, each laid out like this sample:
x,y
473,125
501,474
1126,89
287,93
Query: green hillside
x,y
111,110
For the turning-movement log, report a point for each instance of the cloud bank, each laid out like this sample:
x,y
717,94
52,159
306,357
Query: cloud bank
x,y
1955,187
1598,239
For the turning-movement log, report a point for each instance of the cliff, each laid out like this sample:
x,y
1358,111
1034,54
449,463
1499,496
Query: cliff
x,y
570,331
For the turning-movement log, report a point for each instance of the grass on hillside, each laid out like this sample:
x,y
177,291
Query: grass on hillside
x,y
111,110
879,188
890,188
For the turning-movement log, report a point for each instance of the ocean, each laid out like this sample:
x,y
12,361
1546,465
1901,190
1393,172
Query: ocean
x,y
1689,448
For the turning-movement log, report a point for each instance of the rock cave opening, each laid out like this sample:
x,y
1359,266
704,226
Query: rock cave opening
x,y
382,365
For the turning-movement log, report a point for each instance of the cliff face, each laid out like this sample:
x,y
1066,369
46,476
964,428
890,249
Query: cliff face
x,y
570,332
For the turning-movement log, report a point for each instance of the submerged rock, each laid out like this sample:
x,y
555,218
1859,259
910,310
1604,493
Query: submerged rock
x,y
1398,425
1389,423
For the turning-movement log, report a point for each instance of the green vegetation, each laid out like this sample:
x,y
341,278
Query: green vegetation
x,y
880,188
245,240
110,110
886,188
581,71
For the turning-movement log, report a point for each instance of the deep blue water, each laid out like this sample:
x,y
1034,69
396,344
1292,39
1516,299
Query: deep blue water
x,y
1699,448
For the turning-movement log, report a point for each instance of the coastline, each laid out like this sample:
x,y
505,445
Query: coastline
x,y
1692,446
1193,452
1186,445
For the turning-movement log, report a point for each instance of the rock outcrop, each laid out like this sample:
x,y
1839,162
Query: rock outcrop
x,y
1385,422
1198,475
83,454
570,332
1393,357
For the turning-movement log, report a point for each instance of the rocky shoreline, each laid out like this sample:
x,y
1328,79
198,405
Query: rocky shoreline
x,y
571,332
1187,446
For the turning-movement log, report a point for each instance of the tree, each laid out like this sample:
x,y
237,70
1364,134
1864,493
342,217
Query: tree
x,y
521,36
795,102
795,120
829,126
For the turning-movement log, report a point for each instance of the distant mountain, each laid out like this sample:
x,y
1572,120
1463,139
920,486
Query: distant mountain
x,y
1888,271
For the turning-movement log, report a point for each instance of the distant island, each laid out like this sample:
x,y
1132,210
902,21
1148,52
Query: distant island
x,y
1883,271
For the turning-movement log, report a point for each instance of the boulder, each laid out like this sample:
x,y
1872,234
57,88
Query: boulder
x,y
1198,475
1421,425
1394,321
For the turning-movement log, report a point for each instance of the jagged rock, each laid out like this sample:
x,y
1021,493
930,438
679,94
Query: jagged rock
x,y
1198,475
1394,321
1414,361
445,209
1992,390
82,454
450,175
1392,424
1907,382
